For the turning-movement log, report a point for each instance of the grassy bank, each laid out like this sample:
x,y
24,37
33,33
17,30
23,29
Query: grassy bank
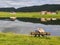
x,y
17,39
28,14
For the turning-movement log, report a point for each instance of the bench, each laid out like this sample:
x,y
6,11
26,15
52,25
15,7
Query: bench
x,y
40,34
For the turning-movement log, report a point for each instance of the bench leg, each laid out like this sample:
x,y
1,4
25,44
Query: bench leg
x,y
42,35
35,35
38,35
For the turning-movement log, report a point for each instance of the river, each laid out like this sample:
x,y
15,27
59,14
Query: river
x,y
27,27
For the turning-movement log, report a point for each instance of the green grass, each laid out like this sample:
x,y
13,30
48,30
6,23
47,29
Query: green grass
x,y
28,15
17,39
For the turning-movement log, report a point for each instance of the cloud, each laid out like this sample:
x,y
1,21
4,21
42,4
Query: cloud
x,y
22,3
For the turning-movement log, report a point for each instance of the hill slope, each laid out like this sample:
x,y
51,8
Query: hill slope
x,y
8,9
47,7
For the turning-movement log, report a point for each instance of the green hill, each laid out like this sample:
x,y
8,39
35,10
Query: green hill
x,y
46,7
38,8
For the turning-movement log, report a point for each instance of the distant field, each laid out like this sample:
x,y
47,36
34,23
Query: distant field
x,y
28,14
17,39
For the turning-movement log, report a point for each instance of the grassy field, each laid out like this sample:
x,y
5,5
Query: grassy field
x,y
17,39
28,15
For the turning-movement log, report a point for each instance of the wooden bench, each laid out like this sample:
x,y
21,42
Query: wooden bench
x,y
40,34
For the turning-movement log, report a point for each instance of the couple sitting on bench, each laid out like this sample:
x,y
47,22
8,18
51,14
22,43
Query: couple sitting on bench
x,y
39,31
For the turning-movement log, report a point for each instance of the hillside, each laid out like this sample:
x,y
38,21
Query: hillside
x,y
7,9
46,7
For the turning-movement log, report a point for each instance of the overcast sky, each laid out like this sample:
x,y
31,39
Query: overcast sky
x,y
22,3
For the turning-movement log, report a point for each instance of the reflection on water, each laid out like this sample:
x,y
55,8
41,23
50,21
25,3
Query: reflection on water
x,y
27,27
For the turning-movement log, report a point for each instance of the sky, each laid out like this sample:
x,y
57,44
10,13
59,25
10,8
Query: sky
x,y
23,3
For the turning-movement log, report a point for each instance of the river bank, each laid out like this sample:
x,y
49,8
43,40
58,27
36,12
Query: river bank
x,y
28,15
18,39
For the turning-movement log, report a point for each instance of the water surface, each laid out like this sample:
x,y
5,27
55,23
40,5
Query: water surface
x,y
27,27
